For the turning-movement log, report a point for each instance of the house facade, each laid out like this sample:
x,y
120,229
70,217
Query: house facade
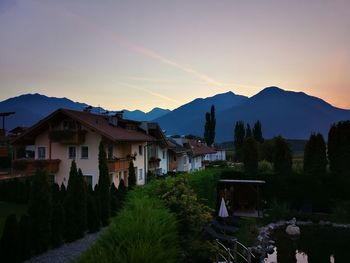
x,y
68,135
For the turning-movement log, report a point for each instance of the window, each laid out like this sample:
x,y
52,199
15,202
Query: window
x,y
163,154
84,154
41,153
140,174
88,179
71,152
140,150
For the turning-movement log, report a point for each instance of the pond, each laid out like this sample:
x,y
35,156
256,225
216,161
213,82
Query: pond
x,y
315,245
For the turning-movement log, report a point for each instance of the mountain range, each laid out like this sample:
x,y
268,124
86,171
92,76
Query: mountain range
x,y
31,108
293,115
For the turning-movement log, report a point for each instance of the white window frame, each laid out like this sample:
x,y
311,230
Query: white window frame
x,y
68,156
45,151
140,174
81,152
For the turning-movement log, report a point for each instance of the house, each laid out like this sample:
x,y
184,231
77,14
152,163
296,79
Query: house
x,y
191,154
219,155
67,135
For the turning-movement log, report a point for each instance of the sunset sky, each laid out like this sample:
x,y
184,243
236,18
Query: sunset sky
x,y
138,54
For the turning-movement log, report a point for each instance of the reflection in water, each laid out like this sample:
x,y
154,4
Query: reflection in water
x,y
316,244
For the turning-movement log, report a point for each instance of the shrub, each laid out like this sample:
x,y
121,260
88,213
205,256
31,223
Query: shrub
x,y
57,225
143,231
10,240
103,186
40,212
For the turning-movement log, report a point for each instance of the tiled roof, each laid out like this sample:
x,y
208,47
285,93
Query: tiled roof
x,y
199,148
95,122
101,124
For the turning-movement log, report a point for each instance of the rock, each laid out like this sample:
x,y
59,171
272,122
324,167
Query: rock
x,y
293,230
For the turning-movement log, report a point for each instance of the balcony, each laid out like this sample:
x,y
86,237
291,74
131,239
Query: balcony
x,y
118,165
153,163
29,166
68,136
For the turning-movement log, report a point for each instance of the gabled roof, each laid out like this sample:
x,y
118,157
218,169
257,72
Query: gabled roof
x,y
94,122
199,148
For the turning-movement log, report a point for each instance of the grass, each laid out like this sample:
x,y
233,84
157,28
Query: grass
x,y
10,208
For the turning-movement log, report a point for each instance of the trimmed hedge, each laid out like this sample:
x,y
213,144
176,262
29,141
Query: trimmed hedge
x,y
143,231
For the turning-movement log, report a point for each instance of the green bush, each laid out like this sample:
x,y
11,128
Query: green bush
x,y
143,231
204,184
341,212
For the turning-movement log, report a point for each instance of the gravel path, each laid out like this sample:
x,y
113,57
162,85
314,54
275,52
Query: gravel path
x,y
67,252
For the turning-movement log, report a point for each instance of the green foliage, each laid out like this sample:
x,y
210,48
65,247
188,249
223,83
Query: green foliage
x,y
204,184
339,149
103,185
315,157
265,167
267,150
15,190
181,199
209,127
250,156
248,131
282,156
75,205
9,243
143,231
25,238
39,210
341,212
114,200
278,211
239,135
131,176
57,225
257,132
93,217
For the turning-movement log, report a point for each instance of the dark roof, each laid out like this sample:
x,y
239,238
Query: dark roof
x,y
95,122
178,148
199,148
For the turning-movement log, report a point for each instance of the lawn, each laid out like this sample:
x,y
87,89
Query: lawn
x,y
10,208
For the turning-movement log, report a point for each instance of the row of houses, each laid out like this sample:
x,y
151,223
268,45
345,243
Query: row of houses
x,y
67,135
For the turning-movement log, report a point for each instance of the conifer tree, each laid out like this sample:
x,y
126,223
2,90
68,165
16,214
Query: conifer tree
x,y
257,132
114,199
9,243
209,127
63,192
25,238
339,149
315,157
239,135
93,217
132,175
103,185
122,192
40,210
248,132
57,224
282,159
250,156
55,191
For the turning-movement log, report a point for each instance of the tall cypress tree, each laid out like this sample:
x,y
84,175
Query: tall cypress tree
x,y
132,175
212,126
57,224
257,132
70,205
315,157
339,149
103,185
282,157
207,128
250,156
25,238
248,132
75,204
93,217
114,200
39,210
239,135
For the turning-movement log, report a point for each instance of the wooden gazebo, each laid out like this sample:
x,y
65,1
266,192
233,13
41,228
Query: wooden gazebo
x,y
242,197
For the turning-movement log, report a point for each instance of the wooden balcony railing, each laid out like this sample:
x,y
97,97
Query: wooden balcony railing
x,y
153,163
118,165
29,166
67,136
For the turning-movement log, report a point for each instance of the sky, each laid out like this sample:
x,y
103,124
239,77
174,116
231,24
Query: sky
x,y
141,54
